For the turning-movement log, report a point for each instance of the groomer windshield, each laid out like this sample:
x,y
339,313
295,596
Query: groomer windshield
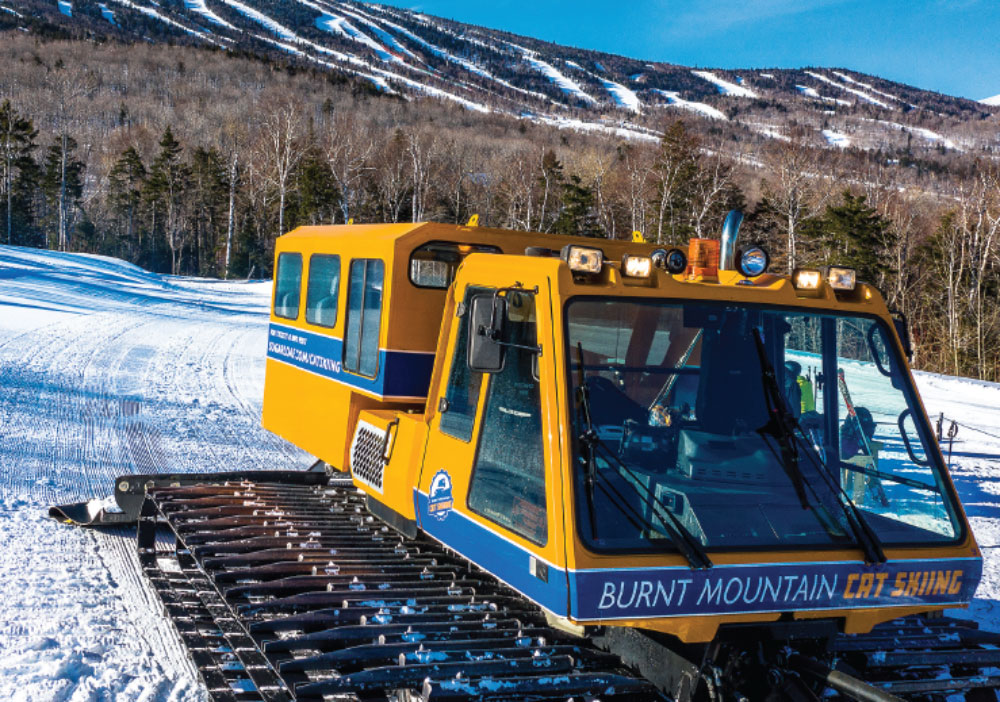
x,y
754,427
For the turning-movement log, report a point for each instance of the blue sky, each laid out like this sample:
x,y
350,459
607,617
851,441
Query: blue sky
x,y
952,46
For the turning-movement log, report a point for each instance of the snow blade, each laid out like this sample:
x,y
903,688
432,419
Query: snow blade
x,y
130,492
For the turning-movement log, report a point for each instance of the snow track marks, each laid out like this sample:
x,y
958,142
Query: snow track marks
x,y
141,374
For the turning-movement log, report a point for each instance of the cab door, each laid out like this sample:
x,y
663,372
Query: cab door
x,y
489,488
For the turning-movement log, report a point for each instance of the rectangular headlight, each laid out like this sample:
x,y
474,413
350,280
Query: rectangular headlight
x,y
637,266
841,278
583,259
806,279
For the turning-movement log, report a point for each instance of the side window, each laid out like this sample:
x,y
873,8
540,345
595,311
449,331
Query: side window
x,y
433,265
322,290
462,393
287,284
508,479
364,316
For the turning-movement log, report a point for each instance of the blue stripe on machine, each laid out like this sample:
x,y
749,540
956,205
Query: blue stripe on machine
x,y
400,373
647,593
770,587
495,554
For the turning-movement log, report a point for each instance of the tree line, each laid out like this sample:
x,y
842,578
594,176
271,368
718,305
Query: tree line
x,y
215,208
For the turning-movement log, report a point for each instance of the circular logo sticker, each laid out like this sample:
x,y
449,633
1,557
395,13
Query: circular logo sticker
x,y
439,500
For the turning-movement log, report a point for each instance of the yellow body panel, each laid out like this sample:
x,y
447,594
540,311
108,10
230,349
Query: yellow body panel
x,y
457,456
319,414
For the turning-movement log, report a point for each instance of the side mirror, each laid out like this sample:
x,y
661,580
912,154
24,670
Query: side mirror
x,y
486,329
903,332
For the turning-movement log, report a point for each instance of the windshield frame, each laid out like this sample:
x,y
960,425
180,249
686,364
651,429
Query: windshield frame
x,y
908,389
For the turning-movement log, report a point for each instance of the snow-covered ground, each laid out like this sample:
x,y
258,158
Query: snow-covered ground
x,y
106,369
726,87
836,138
674,98
854,91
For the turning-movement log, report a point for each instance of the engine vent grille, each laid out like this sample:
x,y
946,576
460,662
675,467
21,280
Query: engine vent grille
x,y
367,462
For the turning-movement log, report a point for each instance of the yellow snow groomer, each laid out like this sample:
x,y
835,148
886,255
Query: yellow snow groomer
x,y
556,468
617,432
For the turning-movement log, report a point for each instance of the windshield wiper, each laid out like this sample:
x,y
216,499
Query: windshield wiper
x,y
782,423
788,430
674,529
683,539
882,475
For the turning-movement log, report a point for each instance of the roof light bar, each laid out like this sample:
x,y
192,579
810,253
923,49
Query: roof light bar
x,y
753,261
840,278
703,258
673,261
806,279
583,259
637,266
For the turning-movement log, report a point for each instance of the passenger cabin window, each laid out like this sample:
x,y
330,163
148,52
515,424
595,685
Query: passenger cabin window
x,y
287,284
462,394
322,291
364,316
433,265
508,480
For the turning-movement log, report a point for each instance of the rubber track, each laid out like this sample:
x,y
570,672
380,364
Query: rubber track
x,y
924,658
289,592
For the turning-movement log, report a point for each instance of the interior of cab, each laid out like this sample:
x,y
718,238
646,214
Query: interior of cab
x,y
680,398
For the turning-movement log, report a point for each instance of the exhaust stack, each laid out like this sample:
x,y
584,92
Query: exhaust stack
x,y
730,230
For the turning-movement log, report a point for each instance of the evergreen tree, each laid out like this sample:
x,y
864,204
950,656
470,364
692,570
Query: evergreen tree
x,y
62,187
125,184
318,200
855,235
577,216
26,204
17,141
165,191
209,200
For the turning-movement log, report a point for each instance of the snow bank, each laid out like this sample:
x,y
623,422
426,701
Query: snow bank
x,y
992,101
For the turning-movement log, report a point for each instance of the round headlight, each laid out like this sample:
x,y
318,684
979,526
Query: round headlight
x,y
676,262
753,261
659,258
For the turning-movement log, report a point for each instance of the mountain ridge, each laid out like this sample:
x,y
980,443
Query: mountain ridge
x,y
411,54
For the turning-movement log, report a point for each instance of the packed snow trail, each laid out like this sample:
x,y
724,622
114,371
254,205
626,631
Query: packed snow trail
x,y
107,369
